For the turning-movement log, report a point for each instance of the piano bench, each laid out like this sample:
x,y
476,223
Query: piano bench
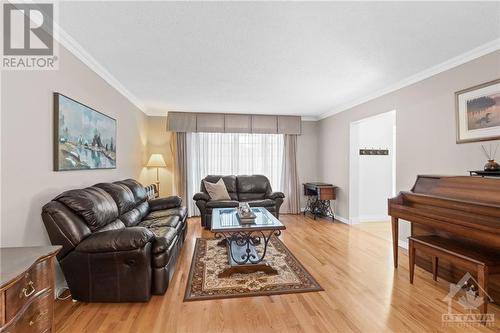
x,y
476,259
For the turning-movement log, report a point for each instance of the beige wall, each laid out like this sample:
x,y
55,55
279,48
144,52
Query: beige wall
x,y
28,181
425,130
160,142
307,156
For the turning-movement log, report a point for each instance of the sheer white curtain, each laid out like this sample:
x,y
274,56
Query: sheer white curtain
x,y
233,154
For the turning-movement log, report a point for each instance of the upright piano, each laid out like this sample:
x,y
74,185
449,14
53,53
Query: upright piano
x,y
462,208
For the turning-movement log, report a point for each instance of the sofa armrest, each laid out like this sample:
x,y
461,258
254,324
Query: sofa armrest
x,y
276,195
201,196
165,203
116,240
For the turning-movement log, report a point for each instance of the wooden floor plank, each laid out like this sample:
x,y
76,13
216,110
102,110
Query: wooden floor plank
x,y
363,293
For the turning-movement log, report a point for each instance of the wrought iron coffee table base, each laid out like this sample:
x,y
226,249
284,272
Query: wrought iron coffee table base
x,y
242,254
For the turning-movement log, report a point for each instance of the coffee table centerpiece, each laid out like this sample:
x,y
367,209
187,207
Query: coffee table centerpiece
x,y
242,239
245,214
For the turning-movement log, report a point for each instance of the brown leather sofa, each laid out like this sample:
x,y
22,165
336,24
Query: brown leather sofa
x,y
255,190
116,245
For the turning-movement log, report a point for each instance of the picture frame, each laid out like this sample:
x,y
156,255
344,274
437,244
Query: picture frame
x,y
84,138
478,112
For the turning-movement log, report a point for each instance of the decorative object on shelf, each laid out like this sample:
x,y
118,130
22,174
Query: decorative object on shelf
x,y
245,214
490,154
157,161
374,152
478,112
83,137
491,166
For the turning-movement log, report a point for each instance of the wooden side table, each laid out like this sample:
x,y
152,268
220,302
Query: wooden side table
x,y
319,196
27,289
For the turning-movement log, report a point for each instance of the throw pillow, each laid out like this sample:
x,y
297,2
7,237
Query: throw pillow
x,y
217,191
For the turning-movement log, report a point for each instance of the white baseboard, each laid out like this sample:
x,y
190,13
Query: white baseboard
x,y
342,219
373,218
337,217
403,243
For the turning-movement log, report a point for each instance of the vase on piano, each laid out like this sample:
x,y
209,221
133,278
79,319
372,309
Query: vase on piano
x,y
491,166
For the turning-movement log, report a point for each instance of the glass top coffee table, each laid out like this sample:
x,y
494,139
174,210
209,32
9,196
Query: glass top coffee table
x,y
242,240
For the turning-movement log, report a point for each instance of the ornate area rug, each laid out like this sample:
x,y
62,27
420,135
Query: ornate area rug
x,y
209,260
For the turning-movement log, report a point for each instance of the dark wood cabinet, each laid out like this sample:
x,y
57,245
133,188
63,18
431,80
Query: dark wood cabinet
x,y
27,289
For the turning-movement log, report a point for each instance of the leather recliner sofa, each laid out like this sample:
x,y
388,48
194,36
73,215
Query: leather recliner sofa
x,y
255,190
117,246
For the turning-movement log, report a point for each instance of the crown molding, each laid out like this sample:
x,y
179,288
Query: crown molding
x,y
79,52
309,118
425,74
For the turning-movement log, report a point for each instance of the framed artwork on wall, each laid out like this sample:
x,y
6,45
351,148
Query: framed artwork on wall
x,y
478,112
83,137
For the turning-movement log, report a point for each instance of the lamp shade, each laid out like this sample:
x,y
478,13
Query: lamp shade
x,y
156,161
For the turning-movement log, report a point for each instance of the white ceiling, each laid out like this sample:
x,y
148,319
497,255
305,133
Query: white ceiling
x,y
298,58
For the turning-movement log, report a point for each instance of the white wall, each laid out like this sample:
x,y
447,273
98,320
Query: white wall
x,y
371,175
425,135
28,181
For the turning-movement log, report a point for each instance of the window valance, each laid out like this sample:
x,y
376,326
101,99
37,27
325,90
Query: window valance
x,y
232,123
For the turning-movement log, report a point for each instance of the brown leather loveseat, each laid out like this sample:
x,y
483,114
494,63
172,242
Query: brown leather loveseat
x,y
118,246
255,190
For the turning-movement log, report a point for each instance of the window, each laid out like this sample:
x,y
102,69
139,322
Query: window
x,y
233,154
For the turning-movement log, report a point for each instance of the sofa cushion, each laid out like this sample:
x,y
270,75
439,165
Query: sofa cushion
x,y
217,191
261,203
164,237
131,218
253,187
229,181
115,225
64,226
96,207
180,211
137,189
116,240
121,194
222,204
143,209
172,201
166,221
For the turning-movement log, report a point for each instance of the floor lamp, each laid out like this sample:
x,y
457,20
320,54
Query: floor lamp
x,y
157,161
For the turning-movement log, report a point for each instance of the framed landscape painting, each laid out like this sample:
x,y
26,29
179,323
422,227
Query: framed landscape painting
x,y
83,137
478,113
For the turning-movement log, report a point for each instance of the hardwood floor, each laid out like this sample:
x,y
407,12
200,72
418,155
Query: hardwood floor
x,y
363,293
379,229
